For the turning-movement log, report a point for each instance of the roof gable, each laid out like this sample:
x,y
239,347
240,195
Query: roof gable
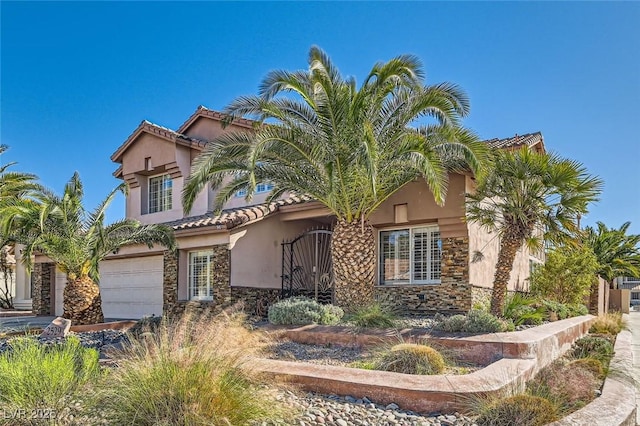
x,y
532,140
204,112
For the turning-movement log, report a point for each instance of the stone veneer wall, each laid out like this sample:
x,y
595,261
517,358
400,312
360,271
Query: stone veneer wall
x,y
220,278
256,300
41,297
481,296
453,294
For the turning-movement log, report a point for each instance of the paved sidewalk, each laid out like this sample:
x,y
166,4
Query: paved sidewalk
x,y
634,326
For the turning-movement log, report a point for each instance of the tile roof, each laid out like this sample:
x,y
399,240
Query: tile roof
x,y
203,111
528,139
232,218
163,132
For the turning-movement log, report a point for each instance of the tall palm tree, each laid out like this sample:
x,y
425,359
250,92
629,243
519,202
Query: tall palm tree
x,y
349,148
77,240
617,252
523,192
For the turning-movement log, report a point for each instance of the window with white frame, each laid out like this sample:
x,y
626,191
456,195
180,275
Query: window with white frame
x,y
199,275
160,192
260,188
410,256
635,296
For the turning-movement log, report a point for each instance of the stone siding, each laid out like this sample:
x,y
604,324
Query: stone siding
x,y
256,301
452,295
220,279
481,297
41,297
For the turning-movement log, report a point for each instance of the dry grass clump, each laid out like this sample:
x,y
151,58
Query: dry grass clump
x,y
193,371
609,323
569,386
411,358
520,410
590,364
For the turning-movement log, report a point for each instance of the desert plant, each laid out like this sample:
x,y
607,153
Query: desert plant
x,y
475,321
521,310
193,371
609,323
411,358
41,377
566,276
559,311
77,241
300,311
525,191
569,386
349,147
520,410
374,315
590,364
594,346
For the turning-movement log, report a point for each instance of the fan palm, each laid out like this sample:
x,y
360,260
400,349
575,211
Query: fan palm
x,y
349,148
77,240
617,252
526,191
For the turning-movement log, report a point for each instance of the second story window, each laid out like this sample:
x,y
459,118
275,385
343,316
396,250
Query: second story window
x,y
160,192
260,188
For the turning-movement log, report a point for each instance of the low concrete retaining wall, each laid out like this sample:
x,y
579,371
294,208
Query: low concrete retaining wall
x,y
617,404
545,343
521,355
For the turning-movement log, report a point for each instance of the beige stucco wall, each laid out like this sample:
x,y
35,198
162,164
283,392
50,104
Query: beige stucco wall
x,y
422,208
256,256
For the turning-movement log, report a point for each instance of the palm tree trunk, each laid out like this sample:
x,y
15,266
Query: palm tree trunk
x,y
82,301
354,264
509,245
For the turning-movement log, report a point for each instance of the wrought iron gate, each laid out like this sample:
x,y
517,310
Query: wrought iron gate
x,y
306,266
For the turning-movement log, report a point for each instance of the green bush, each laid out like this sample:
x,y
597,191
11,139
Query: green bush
x,y
35,377
301,311
375,315
609,323
593,346
566,276
411,358
190,372
474,322
521,310
559,311
519,410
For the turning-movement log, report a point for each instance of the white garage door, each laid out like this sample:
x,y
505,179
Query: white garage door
x,y
131,288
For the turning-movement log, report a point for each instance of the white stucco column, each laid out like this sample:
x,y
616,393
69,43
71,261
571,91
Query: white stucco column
x,y
22,296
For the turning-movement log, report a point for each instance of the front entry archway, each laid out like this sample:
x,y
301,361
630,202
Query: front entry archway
x,y
306,266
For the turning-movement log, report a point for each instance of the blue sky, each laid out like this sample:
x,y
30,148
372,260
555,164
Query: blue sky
x,y
77,78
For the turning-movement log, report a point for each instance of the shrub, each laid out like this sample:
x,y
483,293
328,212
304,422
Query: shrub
x,y
411,358
609,323
474,322
36,377
597,347
569,386
559,311
301,311
589,364
192,371
566,276
375,315
521,410
519,308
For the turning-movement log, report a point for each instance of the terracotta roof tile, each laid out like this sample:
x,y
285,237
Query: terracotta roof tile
x,y
232,218
528,139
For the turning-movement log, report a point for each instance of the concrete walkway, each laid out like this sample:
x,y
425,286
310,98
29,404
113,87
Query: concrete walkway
x,y
633,324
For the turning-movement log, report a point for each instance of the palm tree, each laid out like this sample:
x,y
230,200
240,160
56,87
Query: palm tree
x,y
13,186
349,148
528,191
76,240
618,253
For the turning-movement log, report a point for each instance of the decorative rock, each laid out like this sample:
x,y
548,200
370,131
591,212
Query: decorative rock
x,y
59,327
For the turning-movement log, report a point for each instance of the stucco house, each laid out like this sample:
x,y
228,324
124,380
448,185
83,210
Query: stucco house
x,y
256,252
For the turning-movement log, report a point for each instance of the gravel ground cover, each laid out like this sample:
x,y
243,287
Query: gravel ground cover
x,y
91,339
337,355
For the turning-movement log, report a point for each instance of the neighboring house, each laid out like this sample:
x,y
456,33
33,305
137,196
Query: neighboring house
x,y
632,284
256,252
18,281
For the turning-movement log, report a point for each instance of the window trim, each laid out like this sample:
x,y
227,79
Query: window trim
x,y
267,188
149,178
190,286
432,227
